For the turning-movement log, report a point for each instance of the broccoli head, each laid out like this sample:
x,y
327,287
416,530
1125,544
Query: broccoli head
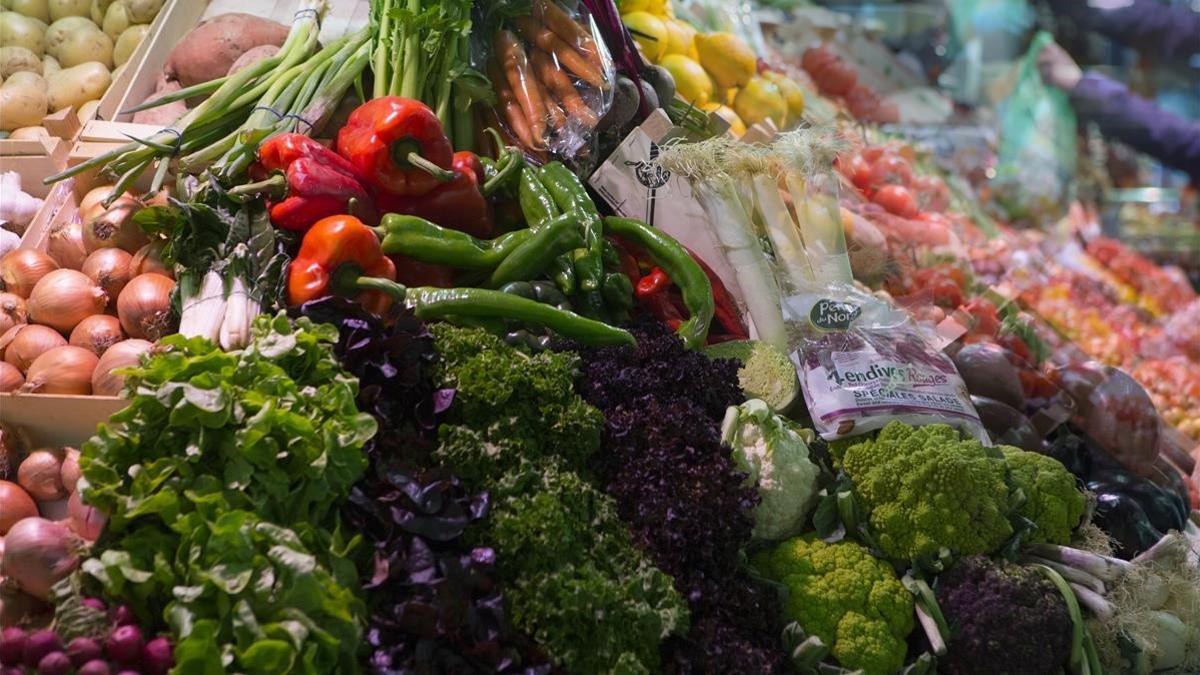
x,y
842,594
1053,500
927,488
1003,619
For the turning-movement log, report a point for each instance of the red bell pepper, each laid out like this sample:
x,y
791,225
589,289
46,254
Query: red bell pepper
x,y
458,204
398,146
335,248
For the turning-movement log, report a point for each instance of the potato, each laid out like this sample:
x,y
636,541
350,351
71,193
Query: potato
x,y
29,133
57,32
50,65
23,101
17,30
143,11
128,42
208,51
81,45
18,59
116,20
64,8
87,111
97,10
79,84
34,9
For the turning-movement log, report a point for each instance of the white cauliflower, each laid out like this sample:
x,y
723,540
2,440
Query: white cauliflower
x,y
774,452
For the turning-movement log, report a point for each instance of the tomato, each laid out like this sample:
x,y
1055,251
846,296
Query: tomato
x,y
897,200
814,55
987,319
874,152
891,170
857,169
932,193
946,293
840,78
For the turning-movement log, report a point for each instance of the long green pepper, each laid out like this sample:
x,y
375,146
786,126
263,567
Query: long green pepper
x,y
569,194
536,253
539,207
426,242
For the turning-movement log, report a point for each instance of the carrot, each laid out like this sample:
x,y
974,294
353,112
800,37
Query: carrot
x,y
558,118
507,103
567,29
548,41
560,85
516,69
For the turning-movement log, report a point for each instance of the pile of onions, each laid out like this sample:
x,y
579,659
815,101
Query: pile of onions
x,y
12,311
39,553
21,269
65,243
15,505
11,379
148,260
62,370
144,307
71,472
109,269
114,228
121,355
26,343
97,333
63,298
41,475
92,204
86,521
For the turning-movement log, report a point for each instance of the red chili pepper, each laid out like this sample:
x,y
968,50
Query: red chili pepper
x,y
398,146
724,308
458,204
653,283
413,273
335,246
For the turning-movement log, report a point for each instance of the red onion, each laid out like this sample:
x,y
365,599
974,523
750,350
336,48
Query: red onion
x,y
62,370
29,342
12,311
144,307
63,298
124,354
70,471
98,332
109,268
65,243
21,269
11,378
41,475
86,521
15,505
38,554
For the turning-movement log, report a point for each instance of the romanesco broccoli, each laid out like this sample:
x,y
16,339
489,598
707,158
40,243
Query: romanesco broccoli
x,y
927,488
846,597
1053,500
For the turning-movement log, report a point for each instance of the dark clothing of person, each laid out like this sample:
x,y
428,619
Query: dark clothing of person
x,y
1140,124
1159,32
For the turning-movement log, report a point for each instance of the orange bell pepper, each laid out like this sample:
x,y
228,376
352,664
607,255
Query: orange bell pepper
x,y
337,248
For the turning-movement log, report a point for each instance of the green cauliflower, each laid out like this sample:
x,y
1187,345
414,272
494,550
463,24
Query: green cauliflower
x,y
774,453
842,594
927,488
1053,500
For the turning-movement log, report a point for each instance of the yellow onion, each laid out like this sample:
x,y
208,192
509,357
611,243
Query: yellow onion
x,y
62,370
63,298
160,198
92,204
144,307
12,311
65,243
124,354
109,268
97,333
30,342
148,260
115,228
41,475
11,378
15,505
21,269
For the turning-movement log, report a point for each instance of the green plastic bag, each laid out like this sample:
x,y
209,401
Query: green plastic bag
x,y
1035,168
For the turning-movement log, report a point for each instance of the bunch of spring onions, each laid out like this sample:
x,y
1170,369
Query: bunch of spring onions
x,y
297,89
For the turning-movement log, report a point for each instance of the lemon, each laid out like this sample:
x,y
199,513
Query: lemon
x,y
793,95
650,32
736,125
681,38
659,8
727,58
691,82
760,99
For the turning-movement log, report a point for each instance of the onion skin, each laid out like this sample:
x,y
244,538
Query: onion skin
x,y
11,379
85,521
15,505
21,269
109,269
62,370
39,553
63,298
121,355
148,260
144,307
70,469
114,228
91,205
65,244
97,333
12,311
41,475
29,343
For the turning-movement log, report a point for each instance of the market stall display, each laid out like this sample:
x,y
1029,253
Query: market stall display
x,y
400,393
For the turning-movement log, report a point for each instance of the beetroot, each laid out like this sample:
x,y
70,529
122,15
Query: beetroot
x,y
97,667
38,645
124,645
54,663
82,650
157,657
12,646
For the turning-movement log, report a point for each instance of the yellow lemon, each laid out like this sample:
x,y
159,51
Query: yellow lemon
x,y
793,95
691,82
650,32
727,58
736,125
730,95
659,8
760,99
681,38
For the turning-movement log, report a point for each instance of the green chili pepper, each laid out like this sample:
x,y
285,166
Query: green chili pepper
x,y
541,291
536,203
617,291
536,253
506,170
687,274
422,240
563,270
591,305
570,195
610,256
523,289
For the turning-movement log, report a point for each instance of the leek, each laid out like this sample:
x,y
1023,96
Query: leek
x,y
203,313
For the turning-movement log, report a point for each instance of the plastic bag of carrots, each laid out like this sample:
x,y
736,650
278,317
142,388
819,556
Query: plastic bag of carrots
x,y
553,78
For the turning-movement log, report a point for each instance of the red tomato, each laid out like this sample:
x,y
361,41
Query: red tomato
x,y
987,320
815,56
862,101
897,200
891,170
840,78
857,169
932,193
874,152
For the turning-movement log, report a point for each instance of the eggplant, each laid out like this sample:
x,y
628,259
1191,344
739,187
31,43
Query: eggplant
x,y
1006,424
987,371
1123,519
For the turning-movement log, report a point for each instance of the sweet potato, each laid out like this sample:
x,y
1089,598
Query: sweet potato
x,y
163,115
258,53
210,49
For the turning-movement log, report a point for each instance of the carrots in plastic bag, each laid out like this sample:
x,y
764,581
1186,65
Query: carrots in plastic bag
x,y
567,29
560,86
548,41
507,103
515,64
